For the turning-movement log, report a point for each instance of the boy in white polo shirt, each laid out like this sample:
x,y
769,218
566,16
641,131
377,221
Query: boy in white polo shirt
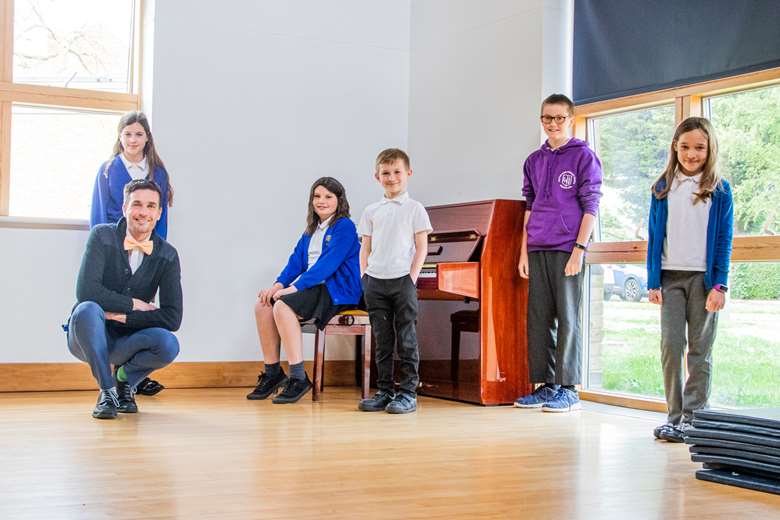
x,y
394,245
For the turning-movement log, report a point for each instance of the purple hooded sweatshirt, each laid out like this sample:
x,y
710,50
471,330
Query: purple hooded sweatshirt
x,y
559,187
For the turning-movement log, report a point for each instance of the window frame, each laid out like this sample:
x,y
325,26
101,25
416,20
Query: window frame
x,y
57,97
688,101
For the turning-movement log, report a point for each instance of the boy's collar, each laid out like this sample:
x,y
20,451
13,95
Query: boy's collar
x,y
399,199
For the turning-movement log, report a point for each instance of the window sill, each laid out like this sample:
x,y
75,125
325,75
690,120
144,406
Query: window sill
x,y
44,223
626,400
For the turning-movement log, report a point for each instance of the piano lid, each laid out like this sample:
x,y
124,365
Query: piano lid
x,y
452,246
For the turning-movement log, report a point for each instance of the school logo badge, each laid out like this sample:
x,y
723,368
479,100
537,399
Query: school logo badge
x,y
566,180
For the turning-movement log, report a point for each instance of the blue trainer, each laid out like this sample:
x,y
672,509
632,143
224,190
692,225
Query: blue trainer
x,y
536,398
565,400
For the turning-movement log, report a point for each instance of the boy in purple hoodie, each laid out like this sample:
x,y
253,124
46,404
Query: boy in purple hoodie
x,y
562,188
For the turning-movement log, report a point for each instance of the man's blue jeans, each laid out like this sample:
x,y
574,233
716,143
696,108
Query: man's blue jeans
x,y
140,352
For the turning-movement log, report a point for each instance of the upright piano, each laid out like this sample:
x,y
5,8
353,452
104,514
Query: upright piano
x,y
471,324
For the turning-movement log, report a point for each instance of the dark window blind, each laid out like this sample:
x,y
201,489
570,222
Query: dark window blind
x,y
625,47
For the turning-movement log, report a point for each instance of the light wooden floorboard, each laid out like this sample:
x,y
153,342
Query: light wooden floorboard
x,y
212,454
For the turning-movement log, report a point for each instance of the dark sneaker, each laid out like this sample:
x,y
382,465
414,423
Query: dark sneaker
x,y
126,398
658,430
106,405
565,400
536,398
402,403
676,434
378,403
266,385
293,390
149,387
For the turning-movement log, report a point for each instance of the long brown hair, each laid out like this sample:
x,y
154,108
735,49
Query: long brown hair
x,y
342,206
153,161
710,177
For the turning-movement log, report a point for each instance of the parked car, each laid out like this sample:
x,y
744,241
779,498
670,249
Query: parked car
x,y
626,280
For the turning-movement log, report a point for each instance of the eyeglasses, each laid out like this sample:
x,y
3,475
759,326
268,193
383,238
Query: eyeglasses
x,y
549,119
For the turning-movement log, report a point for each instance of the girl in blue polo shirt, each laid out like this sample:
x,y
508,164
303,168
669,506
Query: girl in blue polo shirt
x,y
688,255
134,157
321,278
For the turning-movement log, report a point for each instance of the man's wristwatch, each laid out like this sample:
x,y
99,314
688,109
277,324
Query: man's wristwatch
x,y
720,288
581,246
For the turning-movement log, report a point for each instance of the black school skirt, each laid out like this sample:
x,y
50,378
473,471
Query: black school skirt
x,y
314,304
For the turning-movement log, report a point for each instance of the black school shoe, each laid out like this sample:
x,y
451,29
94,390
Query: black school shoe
x,y
126,398
149,387
266,385
293,390
402,403
106,405
658,430
676,434
378,403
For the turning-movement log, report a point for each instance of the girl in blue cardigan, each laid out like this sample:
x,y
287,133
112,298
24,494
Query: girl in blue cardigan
x,y
688,255
134,157
321,278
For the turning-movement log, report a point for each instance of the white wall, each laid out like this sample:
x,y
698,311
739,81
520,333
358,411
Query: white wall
x,y
479,71
38,269
254,101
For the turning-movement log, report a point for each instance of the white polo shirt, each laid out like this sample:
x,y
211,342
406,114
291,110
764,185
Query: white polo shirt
x,y
685,245
136,170
392,224
315,244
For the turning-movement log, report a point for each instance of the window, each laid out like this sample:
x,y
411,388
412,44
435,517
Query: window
x,y
67,73
77,44
748,129
624,332
633,147
625,336
57,183
632,137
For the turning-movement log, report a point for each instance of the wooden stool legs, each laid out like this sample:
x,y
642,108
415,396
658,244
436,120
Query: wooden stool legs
x,y
319,363
363,360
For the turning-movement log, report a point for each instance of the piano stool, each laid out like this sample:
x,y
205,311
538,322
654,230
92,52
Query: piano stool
x,y
462,321
346,323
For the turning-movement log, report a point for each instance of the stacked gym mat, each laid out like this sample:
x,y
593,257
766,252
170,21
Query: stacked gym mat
x,y
739,448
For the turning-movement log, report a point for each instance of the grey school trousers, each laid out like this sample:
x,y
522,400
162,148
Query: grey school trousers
x,y
684,297
554,325
392,310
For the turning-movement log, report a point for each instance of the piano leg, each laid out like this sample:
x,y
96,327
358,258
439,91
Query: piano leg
x,y
455,355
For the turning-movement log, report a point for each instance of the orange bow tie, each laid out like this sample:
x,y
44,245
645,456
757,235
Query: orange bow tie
x,y
145,247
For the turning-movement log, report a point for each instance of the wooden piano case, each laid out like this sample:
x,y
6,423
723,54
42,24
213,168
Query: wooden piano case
x,y
473,304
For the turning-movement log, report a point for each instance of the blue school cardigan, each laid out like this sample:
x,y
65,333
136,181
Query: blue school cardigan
x,y
720,229
108,195
338,265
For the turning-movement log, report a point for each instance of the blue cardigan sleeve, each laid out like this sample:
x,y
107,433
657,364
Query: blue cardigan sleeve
x,y
722,260
161,178
295,264
653,274
342,240
100,197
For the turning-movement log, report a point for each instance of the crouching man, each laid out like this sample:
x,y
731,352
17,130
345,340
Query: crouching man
x,y
114,323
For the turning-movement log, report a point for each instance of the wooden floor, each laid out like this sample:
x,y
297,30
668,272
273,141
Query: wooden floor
x,y
199,454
